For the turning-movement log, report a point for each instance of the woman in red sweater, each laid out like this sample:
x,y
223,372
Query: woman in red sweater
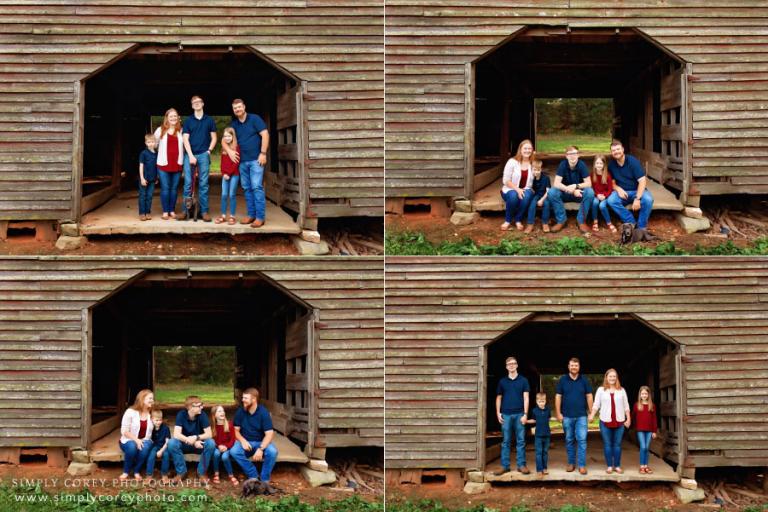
x,y
224,437
602,184
645,422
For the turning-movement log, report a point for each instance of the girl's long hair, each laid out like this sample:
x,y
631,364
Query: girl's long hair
x,y
167,125
650,398
519,155
231,131
604,177
138,404
213,415
605,379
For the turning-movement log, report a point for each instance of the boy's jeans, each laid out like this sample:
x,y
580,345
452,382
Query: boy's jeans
x,y
165,461
145,197
542,453
558,198
512,424
576,434
545,208
178,449
203,168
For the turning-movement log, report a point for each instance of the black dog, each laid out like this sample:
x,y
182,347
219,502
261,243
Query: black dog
x,y
255,487
631,234
191,203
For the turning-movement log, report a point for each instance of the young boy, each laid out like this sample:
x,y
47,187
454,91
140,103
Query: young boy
x,y
541,415
160,436
147,176
541,186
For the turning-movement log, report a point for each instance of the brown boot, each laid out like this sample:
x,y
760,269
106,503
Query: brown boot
x,y
247,220
570,467
206,217
558,227
582,471
182,216
524,470
528,228
583,228
257,223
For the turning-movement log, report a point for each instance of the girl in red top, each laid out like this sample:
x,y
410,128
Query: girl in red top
x,y
169,159
602,184
645,422
224,437
230,177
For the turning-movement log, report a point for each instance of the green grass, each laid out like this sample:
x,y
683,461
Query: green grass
x,y
557,142
408,243
210,393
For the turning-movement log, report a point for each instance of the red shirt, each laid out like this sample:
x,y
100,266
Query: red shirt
x,y
229,167
173,155
645,420
613,423
602,188
225,438
142,429
523,178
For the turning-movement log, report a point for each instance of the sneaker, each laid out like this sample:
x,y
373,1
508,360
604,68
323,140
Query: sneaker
x,y
247,220
182,216
528,228
544,472
501,471
505,226
546,228
558,227
206,217
524,470
570,467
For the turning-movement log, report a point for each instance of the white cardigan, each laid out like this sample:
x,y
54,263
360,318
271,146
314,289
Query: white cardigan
x,y
603,403
130,423
513,173
162,147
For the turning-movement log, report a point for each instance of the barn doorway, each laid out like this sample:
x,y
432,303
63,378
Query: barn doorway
x,y
271,331
127,99
544,343
646,83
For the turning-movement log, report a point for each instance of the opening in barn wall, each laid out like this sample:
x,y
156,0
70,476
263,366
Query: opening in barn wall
x,y
270,331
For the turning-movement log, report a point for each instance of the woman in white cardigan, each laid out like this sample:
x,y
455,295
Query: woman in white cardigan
x,y
136,434
613,405
516,187
170,156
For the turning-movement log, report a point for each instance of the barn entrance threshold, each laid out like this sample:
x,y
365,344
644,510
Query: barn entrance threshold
x,y
120,216
662,472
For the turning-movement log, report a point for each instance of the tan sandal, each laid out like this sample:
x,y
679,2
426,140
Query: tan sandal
x,y
232,221
234,480
216,479
595,227
612,228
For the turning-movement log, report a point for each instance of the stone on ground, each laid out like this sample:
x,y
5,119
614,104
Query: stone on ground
x,y
689,483
70,229
477,477
318,478
462,206
464,219
310,248
310,236
693,212
687,496
318,465
81,469
692,225
477,488
80,456
70,243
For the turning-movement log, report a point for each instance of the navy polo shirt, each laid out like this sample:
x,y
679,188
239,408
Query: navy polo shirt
x,y
540,186
149,159
248,138
511,392
199,131
626,175
574,395
160,435
192,427
253,426
542,420
572,176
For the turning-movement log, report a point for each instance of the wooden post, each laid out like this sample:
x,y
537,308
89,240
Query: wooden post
x,y
78,130
469,130
57,457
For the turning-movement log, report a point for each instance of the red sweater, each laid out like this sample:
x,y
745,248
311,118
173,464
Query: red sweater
x,y
225,438
645,420
602,188
229,167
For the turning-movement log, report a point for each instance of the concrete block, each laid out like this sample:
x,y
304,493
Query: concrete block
x,y
464,219
81,469
318,465
689,483
477,477
462,205
70,243
310,248
70,229
318,478
693,212
687,496
80,456
692,225
477,488
310,236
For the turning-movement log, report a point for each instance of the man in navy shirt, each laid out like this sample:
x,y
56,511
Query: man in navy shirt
x,y
191,434
253,141
629,187
199,134
512,412
573,401
572,184
254,434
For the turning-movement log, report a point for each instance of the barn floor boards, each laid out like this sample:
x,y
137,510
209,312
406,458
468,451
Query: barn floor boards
x,y
106,449
662,472
120,216
488,199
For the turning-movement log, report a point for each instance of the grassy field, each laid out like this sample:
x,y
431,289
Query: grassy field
x,y
557,142
210,393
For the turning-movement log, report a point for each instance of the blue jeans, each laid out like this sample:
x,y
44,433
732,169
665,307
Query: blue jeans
x,y
145,197
516,207
512,423
133,458
576,434
603,207
644,438
542,452
618,205
243,459
612,444
545,208
177,450
169,185
229,193
165,461
224,458
558,198
252,178
203,167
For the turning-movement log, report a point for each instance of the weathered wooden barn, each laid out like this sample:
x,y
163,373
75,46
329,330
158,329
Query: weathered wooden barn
x,y
694,329
76,338
688,80
82,80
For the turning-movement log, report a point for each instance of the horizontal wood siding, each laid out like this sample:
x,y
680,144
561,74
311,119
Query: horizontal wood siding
x,y
334,45
430,41
439,311
41,338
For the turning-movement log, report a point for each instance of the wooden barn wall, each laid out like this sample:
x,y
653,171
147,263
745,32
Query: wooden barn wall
x,y
429,43
440,311
42,303
335,45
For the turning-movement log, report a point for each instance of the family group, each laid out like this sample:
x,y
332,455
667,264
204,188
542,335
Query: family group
x,y
174,148
145,438
575,407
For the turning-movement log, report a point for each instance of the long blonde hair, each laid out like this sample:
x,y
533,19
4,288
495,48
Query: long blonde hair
x,y
604,176
213,415
650,398
138,404
167,125
519,155
605,379
231,131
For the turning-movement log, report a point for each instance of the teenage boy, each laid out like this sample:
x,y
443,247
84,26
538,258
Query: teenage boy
x,y
191,434
199,135
512,394
572,184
